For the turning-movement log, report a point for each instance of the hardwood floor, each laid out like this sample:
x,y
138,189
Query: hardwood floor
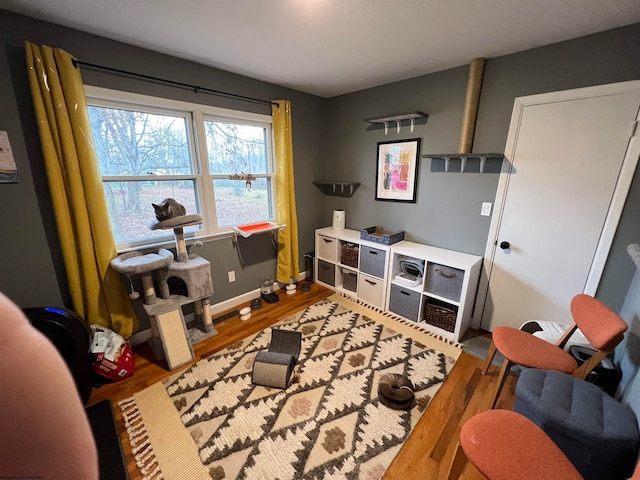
x,y
428,452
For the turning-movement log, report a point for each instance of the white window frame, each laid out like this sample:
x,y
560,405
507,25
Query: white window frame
x,y
195,115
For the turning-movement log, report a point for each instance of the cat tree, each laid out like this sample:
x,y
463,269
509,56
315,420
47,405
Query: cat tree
x,y
169,284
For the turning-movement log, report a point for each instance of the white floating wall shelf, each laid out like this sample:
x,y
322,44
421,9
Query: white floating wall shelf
x,y
337,189
397,119
247,231
464,157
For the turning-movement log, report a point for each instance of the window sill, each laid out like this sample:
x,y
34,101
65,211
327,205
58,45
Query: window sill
x,y
190,240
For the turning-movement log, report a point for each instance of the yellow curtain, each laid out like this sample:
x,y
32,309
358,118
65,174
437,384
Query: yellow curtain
x,y
288,262
77,196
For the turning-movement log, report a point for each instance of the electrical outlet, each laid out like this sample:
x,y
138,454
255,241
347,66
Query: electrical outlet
x,y
486,209
232,276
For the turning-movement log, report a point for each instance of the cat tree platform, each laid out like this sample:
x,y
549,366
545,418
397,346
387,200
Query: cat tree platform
x,y
176,222
136,263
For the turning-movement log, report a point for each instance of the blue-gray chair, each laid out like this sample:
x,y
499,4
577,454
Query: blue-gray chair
x,y
596,432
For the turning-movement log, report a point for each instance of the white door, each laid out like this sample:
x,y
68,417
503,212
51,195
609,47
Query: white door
x,y
568,167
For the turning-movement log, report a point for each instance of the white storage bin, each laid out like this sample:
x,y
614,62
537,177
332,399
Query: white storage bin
x,y
371,290
328,248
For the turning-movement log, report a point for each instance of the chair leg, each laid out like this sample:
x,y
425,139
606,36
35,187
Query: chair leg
x,y
490,354
502,377
457,464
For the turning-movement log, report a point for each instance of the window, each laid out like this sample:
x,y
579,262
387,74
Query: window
x,y
150,149
233,148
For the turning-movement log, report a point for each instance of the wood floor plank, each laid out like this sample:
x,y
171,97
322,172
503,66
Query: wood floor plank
x,y
428,452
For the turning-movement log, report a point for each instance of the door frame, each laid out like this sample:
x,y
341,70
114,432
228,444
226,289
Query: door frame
x,y
621,190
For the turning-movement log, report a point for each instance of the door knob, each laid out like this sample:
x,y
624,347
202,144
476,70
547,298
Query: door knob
x,y
504,245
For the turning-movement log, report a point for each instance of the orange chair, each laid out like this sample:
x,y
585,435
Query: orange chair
x,y
599,324
504,445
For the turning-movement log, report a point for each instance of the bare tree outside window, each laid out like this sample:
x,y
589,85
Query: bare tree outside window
x,y
146,154
237,149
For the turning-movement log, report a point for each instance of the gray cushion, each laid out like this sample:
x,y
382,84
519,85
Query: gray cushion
x,y
598,434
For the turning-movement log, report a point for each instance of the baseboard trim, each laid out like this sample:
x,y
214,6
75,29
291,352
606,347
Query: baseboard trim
x,y
144,335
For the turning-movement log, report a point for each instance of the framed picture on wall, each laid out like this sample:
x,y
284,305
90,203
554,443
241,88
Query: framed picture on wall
x,y
397,170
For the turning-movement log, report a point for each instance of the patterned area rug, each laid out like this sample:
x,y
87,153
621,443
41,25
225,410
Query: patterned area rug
x,y
211,422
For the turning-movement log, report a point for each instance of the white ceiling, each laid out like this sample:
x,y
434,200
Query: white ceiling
x,y
332,47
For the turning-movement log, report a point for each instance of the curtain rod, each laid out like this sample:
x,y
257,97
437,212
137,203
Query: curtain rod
x,y
173,83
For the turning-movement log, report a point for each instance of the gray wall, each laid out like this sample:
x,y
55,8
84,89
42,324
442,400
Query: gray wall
x,y
331,141
447,212
627,354
32,269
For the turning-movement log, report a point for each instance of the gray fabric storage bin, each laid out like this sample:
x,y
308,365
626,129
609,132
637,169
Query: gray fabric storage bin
x,y
404,302
350,280
444,281
372,261
327,272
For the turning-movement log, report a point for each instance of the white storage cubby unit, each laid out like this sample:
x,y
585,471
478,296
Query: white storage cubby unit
x,y
443,298
348,264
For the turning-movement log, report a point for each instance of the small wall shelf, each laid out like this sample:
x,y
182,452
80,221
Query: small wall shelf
x,y
409,118
246,231
253,229
337,189
464,157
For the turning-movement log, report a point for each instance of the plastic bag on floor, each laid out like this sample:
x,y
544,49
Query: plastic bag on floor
x,y
112,354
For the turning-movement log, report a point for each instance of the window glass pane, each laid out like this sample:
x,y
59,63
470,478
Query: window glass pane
x,y
236,205
147,151
130,143
130,208
234,148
